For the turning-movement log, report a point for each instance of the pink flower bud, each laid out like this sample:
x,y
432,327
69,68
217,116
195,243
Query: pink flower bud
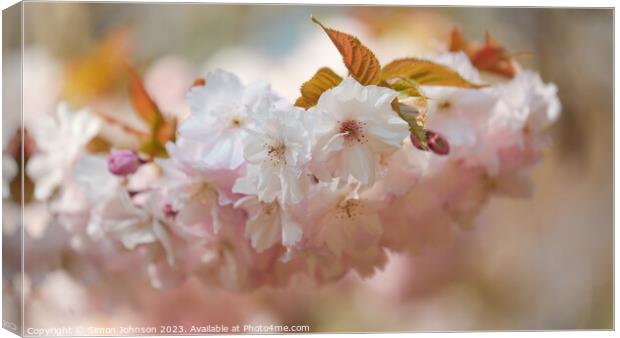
x,y
437,143
124,162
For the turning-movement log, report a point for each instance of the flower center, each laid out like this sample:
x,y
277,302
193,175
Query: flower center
x,y
276,153
202,192
444,105
353,130
235,122
270,208
349,209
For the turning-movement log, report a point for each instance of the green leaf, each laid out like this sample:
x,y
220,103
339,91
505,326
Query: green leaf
x,y
312,89
361,62
414,118
153,148
425,73
407,88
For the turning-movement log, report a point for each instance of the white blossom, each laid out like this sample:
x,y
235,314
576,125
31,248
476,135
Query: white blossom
x,y
60,140
269,223
220,112
356,126
277,150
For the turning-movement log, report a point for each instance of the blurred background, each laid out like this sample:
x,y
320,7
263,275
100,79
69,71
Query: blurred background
x,y
538,263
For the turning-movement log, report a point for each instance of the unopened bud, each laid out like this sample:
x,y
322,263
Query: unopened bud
x,y
434,142
124,162
437,143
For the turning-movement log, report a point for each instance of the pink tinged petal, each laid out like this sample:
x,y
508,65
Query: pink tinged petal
x,y
194,128
220,87
220,153
69,200
360,163
380,97
195,218
291,230
336,243
237,158
86,126
458,132
292,191
335,143
333,235
254,150
268,185
223,81
371,223
491,161
264,231
38,217
244,185
516,185
256,96
47,183
64,116
162,276
349,227
389,134
128,207
164,239
133,238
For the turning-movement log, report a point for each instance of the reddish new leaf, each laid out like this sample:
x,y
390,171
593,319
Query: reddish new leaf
x,y
142,102
490,57
493,58
359,60
457,42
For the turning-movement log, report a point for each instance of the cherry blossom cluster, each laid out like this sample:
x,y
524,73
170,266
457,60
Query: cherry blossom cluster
x,y
254,190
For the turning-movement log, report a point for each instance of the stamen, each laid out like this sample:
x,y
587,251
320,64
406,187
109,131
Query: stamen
x,y
349,209
353,130
268,209
202,192
276,153
236,122
444,105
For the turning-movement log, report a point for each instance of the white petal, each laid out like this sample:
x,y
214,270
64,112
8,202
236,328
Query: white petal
x,y
291,230
164,238
264,231
390,134
335,143
268,185
360,163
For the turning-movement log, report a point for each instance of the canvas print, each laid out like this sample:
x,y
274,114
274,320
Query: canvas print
x,y
181,169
